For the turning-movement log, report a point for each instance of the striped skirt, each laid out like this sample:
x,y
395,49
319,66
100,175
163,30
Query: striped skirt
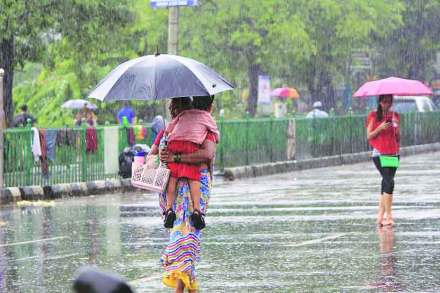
x,y
183,249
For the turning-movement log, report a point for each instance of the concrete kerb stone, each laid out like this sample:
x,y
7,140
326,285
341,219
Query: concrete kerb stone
x,y
12,194
32,193
49,192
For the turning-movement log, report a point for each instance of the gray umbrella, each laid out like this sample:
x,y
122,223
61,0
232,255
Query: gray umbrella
x,y
159,76
78,104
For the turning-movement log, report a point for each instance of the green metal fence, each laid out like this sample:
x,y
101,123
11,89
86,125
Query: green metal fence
x,y
251,141
347,134
330,136
242,142
72,162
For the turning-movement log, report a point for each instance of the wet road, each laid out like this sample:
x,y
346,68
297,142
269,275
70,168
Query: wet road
x,y
308,231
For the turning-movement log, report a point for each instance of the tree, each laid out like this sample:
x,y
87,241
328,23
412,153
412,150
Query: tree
x,y
410,50
30,27
243,39
337,28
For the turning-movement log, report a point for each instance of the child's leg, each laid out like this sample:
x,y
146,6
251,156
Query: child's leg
x,y
194,187
171,192
197,216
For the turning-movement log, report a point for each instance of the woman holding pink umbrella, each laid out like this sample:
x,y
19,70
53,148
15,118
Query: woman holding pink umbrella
x,y
383,134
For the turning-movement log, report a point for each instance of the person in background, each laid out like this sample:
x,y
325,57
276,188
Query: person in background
x,y
79,119
126,111
91,119
157,125
24,118
317,112
85,117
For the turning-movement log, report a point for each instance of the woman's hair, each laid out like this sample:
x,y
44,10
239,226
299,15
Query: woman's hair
x,y
179,104
379,112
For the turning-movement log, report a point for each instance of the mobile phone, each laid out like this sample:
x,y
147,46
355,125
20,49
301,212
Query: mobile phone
x,y
389,121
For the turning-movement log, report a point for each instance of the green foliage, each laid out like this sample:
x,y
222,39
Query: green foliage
x,y
52,32
410,50
45,95
306,44
337,29
244,39
84,52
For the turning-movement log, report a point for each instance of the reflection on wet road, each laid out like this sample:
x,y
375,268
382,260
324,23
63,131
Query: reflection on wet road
x,y
298,232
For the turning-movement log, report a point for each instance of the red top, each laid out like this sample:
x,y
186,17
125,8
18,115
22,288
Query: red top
x,y
386,142
183,170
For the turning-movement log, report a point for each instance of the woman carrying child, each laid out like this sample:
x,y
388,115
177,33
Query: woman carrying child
x,y
182,251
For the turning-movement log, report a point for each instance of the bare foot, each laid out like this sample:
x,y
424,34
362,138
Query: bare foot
x,y
388,222
379,224
379,221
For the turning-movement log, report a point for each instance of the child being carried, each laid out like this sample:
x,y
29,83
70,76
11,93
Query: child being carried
x,y
185,134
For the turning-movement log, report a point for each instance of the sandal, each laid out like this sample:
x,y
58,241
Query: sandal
x,y
170,217
198,219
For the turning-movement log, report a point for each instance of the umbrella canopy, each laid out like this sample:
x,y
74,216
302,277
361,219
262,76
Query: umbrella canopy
x,y
285,92
393,86
159,76
78,104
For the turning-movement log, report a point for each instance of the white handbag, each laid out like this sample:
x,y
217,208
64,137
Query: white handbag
x,y
153,175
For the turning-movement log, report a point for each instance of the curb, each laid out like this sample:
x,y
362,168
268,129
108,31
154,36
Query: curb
x,y
288,166
49,192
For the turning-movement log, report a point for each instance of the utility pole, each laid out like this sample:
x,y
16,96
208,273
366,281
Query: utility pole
x,y
2,127
173,29
173,40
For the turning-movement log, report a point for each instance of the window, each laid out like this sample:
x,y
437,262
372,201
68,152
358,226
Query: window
x,y
404,106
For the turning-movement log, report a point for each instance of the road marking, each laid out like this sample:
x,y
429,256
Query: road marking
x,y
146,279
314,241
33,241
47,258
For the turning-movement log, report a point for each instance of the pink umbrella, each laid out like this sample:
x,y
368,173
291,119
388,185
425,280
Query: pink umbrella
x,y
285,92
393,86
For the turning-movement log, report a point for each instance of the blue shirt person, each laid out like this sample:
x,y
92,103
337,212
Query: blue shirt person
x,y
128,112
157,125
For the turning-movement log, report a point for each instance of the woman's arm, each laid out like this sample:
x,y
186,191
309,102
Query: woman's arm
x,y
203,155
154,150
374,133
155,146
398,134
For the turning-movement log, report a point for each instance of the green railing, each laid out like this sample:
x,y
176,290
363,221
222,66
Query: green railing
x,y
72,162
242,142
347,134
251,141
420,128
330,136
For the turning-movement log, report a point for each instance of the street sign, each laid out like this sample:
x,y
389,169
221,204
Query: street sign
x,y
263,89
170,3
